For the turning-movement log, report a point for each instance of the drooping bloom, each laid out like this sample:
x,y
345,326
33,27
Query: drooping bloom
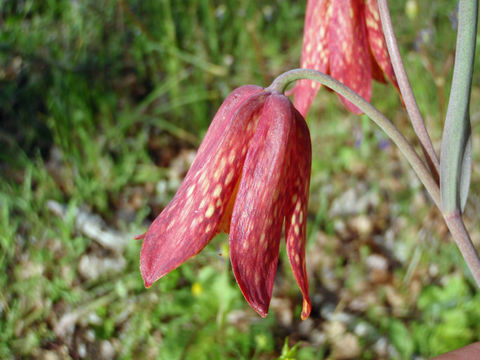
x,y
343,38
251,172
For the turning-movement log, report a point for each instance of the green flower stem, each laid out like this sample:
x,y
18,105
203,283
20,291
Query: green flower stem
x,y
280,84
406,90
455,156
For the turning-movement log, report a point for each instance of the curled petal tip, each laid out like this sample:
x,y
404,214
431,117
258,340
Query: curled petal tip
x,y
306,309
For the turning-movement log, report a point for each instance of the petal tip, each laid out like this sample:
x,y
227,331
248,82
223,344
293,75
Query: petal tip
x,y
306,309
261,310
149,275
148,280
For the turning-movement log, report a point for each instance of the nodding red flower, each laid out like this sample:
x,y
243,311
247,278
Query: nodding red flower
x,y
251,172
343,38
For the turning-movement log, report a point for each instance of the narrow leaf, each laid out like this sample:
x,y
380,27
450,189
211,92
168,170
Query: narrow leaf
x,y
455,157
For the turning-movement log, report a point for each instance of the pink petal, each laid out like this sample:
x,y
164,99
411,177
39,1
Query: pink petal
x,y
376,40
189,222
223,117
299,168
350,61
315,51
258,214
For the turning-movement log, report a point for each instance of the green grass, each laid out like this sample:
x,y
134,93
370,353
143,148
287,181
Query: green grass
x,y
99,99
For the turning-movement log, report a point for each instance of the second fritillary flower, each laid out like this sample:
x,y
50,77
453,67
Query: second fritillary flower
x,y
343,38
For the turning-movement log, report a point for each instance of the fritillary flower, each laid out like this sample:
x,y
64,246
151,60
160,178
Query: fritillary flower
x,y
343,38
250,175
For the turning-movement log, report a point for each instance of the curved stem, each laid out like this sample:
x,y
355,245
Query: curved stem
x,y
281,83
406,90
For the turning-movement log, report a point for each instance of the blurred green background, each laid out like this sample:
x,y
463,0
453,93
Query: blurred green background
x,y
102,105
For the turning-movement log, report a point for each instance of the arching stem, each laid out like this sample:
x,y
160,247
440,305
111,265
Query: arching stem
x,y
280,84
